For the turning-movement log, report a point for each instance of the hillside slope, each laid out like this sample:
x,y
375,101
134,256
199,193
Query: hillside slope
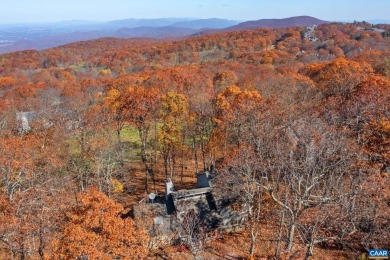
x,y
278,23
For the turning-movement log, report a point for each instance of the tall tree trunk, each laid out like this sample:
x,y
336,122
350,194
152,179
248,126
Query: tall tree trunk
x,y
155,146
203,155
118,136
170,166
166,158
195,153
182,165
203,148
291,232
147,181
253,240
143,134
281,223
41,241
309,252
174,165
22,253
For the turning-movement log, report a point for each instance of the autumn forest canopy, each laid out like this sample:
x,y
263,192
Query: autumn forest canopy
x,y
294,121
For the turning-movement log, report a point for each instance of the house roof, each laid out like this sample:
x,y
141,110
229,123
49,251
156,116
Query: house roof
x,y
180,194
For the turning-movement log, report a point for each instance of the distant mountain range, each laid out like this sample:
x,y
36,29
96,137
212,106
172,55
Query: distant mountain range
x,y
278,23
154,32
43,36
205,23
134,23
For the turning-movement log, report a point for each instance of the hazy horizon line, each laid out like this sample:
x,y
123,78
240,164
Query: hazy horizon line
x,y
187,18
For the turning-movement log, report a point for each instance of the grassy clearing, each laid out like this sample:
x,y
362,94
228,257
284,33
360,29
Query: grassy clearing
x,y
130,134
131,143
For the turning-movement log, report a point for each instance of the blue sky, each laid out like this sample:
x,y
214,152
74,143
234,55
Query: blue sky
x,y
21,11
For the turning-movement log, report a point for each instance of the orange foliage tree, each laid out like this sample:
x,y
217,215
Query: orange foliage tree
x,y
18,158
338,77
7,221
96,230
138,106
174,109
233,106
7,82
372,101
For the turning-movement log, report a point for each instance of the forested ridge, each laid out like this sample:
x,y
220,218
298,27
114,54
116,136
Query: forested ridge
x,y
298,127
